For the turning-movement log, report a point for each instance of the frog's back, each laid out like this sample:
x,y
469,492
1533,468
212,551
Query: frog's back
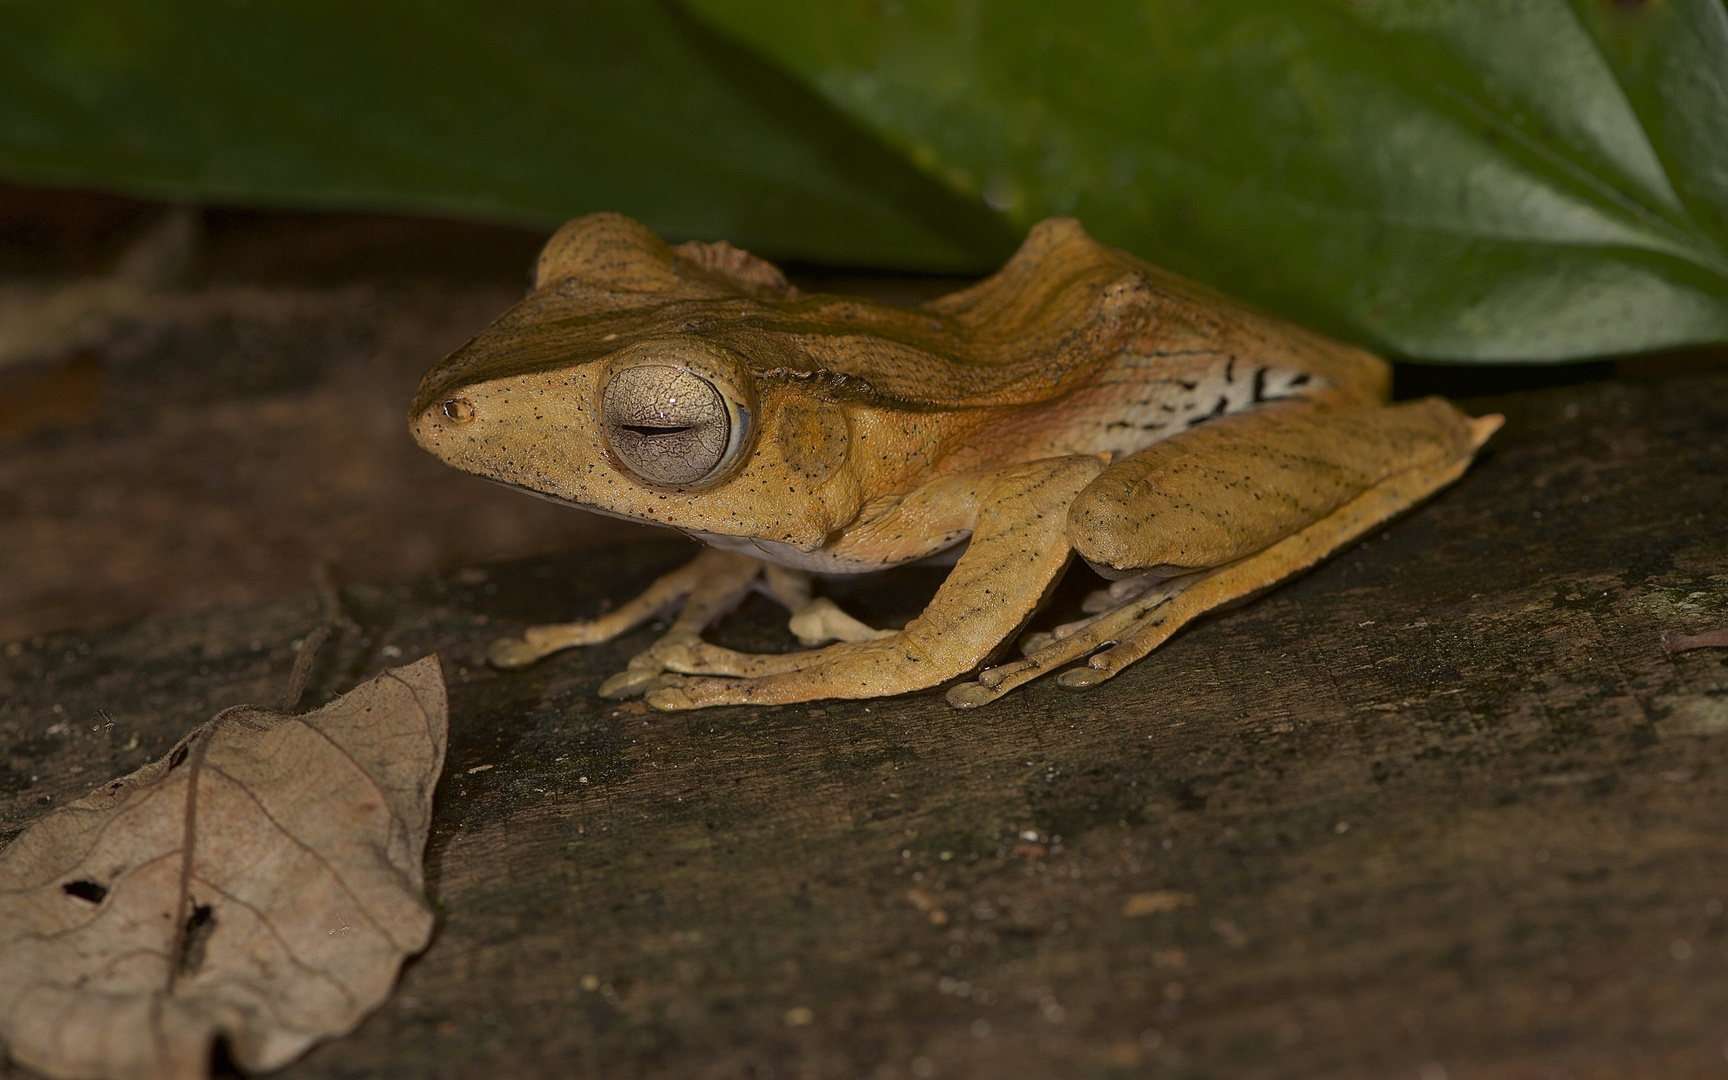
x,y
1111,354
1085,347
1155,325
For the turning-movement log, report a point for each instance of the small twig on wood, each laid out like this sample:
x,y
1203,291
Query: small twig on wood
x,y
1710,639
303,667
325,580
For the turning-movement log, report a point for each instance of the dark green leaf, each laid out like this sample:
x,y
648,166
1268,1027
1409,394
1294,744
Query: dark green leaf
x,y
1446,179
527,110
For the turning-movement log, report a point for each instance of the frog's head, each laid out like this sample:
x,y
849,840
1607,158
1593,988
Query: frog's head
x,y
608,388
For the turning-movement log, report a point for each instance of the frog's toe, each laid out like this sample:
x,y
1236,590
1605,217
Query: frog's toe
x,y
822,620
971,695
629,682
1082,678
701,658
670,698
512,653
1120,592
1097,602
676,656
1037,642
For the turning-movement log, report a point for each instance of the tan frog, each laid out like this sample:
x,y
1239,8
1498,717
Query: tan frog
x,y
1189,447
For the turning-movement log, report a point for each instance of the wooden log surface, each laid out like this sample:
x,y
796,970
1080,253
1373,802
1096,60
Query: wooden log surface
x,y
1442,808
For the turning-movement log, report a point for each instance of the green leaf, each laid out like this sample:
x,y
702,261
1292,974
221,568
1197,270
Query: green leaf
x,y
1446,179
524,110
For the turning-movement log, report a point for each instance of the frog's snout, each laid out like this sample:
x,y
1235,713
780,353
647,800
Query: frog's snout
x,y
433,420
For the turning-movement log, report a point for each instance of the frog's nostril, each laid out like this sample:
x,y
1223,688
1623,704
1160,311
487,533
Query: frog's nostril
x,y
461,410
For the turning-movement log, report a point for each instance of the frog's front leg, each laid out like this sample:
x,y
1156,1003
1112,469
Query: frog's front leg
x,y
721,582
1231,511
704,590
1017,552
707,586
815,620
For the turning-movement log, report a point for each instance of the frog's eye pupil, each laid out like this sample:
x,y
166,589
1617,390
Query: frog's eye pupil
x,y
668,425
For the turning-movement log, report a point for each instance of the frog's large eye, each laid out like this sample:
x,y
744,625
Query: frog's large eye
x,y
670,426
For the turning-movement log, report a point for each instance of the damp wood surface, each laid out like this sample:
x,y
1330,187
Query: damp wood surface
x,y
1443,804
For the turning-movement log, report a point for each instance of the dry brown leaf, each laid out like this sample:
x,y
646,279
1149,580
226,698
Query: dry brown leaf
x,y
261,882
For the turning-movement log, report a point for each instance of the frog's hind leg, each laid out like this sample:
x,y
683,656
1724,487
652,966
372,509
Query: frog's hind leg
x,y
1442,449
1050,651
1243,579
1097,605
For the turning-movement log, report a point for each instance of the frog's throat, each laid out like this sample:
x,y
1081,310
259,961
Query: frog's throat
x,y
820,561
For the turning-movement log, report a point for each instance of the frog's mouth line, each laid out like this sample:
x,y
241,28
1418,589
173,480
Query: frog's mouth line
x,y
571,504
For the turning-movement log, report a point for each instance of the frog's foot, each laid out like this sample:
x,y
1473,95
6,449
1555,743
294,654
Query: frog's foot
x,y
821,621
707,586
725,579
848,669
1120,592
1096,605
645,671
537,642
815,620
701,658
1068,643
1136,628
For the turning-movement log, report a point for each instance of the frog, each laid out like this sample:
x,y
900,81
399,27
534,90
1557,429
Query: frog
x,y
1079,404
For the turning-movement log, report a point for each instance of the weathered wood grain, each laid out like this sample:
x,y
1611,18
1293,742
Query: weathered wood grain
x,y
1442,808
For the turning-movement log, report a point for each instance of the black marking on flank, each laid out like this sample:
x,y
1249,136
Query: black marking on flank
x,y
1259,384
85,890
1218,410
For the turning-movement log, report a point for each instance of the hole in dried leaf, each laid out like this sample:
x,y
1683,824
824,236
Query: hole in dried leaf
x,y
222,1063
177,757
199,926
85,890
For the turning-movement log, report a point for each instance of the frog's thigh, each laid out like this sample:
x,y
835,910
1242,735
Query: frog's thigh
x,y
1017,550
1233,486
1289,556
